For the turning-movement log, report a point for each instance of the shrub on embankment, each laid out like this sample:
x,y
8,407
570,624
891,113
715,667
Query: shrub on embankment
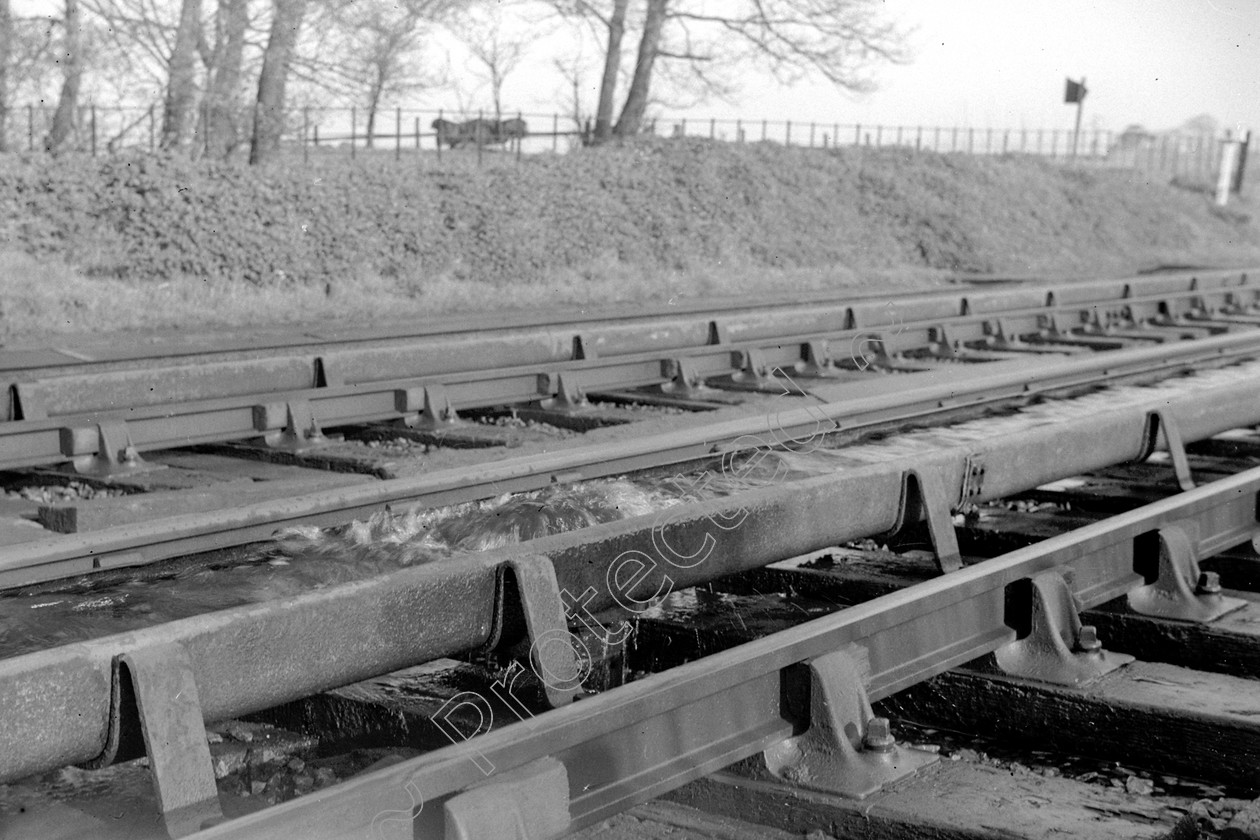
x,y
663,205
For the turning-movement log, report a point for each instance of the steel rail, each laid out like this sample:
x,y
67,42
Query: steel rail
x,y
77,353
386,385
61,706
640,740
852,408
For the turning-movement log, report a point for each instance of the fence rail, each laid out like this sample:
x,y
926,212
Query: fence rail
x,y
318,133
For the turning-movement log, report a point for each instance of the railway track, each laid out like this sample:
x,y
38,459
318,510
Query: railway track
x,y
103,413
725,646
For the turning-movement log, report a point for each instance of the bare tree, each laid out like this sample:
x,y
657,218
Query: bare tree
x,y
570,71
372,50
69,57
138,41
612,66
496,51
839,40
224,78
179,109
649,48
286,20
6,58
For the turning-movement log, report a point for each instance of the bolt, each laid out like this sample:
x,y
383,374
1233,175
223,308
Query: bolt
x,y
1209,584
1087,639
879,737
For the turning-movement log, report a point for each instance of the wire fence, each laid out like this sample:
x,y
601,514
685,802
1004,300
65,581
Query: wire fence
x,y
318,134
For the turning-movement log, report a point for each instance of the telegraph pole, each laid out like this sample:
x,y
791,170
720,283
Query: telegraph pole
x,y
1075,93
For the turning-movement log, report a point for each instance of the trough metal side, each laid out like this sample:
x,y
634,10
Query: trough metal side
x,y
55,705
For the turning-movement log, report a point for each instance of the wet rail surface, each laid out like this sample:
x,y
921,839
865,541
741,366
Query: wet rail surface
x,y
793,489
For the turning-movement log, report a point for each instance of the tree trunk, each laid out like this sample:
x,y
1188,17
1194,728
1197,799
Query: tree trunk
x,y
72,66
225,79
636,100
269,109
612,64
6,56
223,86
179,110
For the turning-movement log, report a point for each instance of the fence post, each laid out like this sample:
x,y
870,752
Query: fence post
x,y
437,138
93,112
1054,144
519,140
918,138
1243,150
788,140
354,129
417,136
712,128
739,131
857,134
477,136
811,135
763,131
306,130
397,134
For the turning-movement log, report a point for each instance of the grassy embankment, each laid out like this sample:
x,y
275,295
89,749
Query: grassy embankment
x,y
128,243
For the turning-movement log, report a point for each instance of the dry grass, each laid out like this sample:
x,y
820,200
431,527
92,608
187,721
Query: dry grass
x,y
41,299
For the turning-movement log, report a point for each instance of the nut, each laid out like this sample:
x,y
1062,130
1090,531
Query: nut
x,y
879,737
1087,639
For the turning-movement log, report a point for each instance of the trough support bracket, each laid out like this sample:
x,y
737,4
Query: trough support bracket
x,y
940,344
24,402
1158,421
684,380
876,358
1180,590
999,337
816,359
754,371
1058,649
923,499
165,691
530,802
426,408
551,650
115,454
846,750
569,396
300,430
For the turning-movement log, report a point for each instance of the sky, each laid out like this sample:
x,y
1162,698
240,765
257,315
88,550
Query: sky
x,y
1003,64
986,64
